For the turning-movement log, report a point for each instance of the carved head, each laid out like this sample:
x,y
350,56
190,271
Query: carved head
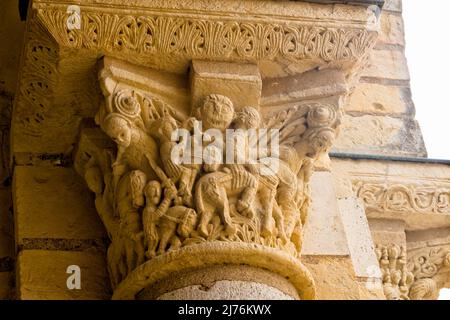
x,y
315,141
217,112
247,118
118,129
167,126
152,192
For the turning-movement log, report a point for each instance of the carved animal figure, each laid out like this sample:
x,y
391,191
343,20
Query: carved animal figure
x,y
165,228
213,191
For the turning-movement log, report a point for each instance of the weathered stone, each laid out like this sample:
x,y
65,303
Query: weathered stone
x,y
335,279
241,82
324,233
42,275
428,238
387,64
53,203
386,232
380,135
227,290
376,99
357,232
392,31
412,192
103,99
393,5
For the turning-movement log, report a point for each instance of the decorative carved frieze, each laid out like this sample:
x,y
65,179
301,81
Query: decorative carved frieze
x,y
38,79
164,216
190,36
403,198
285,40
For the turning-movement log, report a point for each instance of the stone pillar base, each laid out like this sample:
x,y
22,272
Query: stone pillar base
x,y
238,267
222,282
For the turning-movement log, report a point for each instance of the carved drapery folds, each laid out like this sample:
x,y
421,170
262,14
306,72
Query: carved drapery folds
x,y
164,215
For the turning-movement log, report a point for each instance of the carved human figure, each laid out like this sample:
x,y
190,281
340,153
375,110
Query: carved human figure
x,y
396,277
129,201
216,112
134,145
152,213
165,227
242,169
182,174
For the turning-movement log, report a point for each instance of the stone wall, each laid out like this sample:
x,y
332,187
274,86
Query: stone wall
x,y
11,33
54,224
380,114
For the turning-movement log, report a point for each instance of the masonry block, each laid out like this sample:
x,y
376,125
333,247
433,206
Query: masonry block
x,y
53,203
42,275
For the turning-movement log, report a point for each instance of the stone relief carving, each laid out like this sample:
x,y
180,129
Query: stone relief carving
x,y
396,277
36,81
152,206
197,38
401,198
414,277
164,39
426,264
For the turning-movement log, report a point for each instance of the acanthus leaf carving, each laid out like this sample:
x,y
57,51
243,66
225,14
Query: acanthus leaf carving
x,y
197,38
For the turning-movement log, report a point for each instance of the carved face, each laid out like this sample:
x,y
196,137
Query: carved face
x,y
167,127
217,112
315,142
247,118
153,192
119,130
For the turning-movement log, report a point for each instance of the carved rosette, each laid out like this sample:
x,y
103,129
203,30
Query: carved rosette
x,y
165,216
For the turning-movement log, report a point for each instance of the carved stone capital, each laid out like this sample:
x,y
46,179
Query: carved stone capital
x,y
166,216
413,275
431,267
57,88
252,66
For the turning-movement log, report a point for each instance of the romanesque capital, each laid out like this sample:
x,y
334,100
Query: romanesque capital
x,y
214,182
